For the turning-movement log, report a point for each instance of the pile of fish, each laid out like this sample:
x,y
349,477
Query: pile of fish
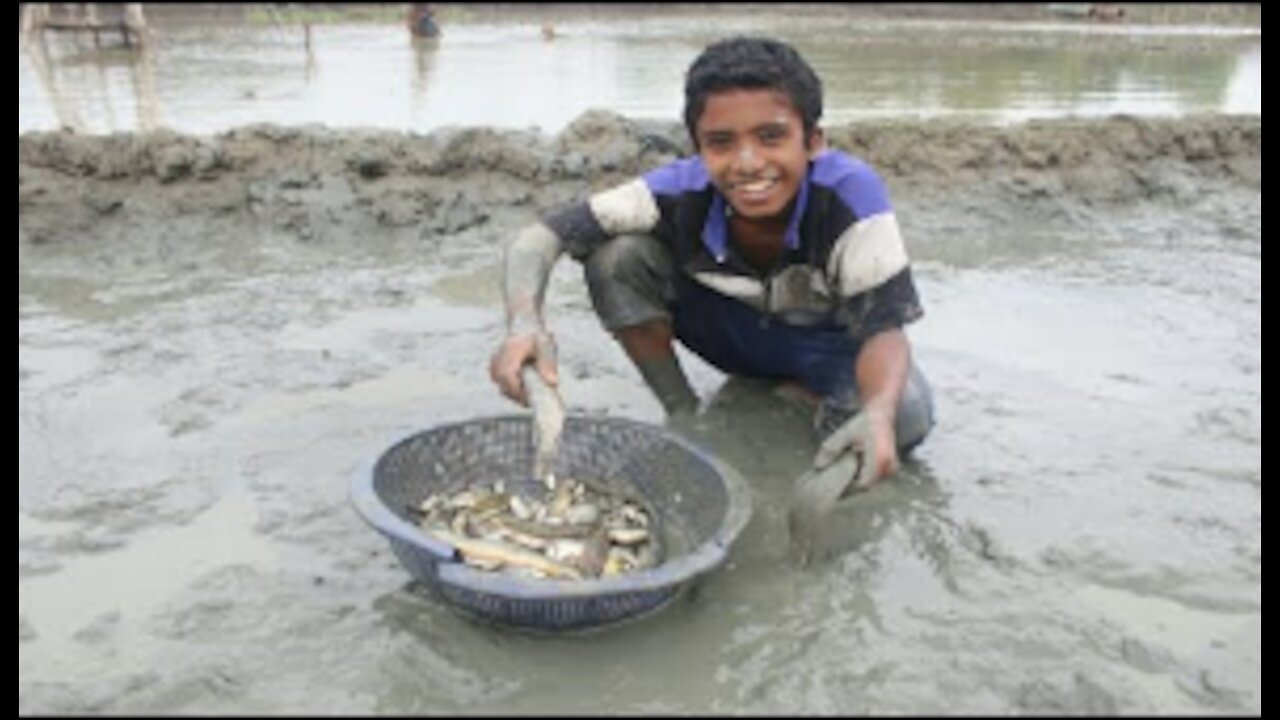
x,y
570,529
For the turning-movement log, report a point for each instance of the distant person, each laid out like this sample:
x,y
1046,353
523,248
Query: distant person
x,y
422,21
1106,12
766,254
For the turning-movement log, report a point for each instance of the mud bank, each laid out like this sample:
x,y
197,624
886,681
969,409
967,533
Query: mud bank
x,y
319,185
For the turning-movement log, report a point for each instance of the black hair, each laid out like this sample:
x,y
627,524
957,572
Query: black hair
x,y
752,63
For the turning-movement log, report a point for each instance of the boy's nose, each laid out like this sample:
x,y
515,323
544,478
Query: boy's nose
x,y
747,161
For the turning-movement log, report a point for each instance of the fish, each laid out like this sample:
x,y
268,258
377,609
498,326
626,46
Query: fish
x,y
628,536
564,530
570,531
548,422
475,549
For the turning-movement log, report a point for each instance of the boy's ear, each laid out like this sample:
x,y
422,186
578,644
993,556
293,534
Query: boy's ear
x,y
816,142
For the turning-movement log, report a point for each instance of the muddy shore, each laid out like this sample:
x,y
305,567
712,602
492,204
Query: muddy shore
x,y
215,331
324,186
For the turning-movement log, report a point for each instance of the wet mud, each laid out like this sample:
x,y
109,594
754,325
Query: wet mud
x,y
216,331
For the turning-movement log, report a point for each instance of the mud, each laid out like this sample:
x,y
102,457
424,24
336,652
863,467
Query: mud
x,y
215,331
322,186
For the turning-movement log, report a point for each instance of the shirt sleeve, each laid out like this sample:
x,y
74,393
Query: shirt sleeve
x,y
891,304
868,266
629,208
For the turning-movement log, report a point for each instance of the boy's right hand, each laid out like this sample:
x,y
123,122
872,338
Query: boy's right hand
x,y
514,353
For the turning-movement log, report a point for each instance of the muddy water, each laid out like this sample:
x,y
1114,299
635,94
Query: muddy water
x,y
215,332
216,76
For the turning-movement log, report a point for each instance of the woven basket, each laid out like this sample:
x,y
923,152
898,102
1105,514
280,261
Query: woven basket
x,y
701,505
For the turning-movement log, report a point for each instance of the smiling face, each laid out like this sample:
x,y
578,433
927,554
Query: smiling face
x,y
754,147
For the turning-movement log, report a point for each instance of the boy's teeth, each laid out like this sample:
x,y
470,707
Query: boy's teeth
x,y
757,186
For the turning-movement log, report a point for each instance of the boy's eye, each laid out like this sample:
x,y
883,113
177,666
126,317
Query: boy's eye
x,y
718,142
772,134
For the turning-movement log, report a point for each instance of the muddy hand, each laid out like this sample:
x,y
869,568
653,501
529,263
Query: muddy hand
x,y
845,459
511,357
857,436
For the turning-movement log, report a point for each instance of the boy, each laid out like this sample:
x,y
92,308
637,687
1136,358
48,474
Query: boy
x,y
766,254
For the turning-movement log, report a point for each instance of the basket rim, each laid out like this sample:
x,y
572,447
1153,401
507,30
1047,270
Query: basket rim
x,y
451,570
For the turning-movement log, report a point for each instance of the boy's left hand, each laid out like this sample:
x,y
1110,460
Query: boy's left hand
x,y
871,435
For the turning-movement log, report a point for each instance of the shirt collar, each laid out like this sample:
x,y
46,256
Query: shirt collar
x,y
715,233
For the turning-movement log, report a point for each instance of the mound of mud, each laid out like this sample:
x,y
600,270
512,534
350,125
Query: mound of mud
x,y
322,185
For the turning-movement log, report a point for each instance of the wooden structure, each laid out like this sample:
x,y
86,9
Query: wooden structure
x,y
131,23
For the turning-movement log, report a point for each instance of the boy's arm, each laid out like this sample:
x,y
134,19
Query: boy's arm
x,y
875,319
527,267
870,269
577,230
882,367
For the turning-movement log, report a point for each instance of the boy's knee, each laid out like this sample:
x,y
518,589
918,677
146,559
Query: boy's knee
x,y
915,411
626,258
630,280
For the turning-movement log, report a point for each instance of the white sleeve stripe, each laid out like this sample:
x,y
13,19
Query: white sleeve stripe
x,y
625,209
867,254
748,290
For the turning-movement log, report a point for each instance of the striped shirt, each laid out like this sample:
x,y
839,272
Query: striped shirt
x,y
844,263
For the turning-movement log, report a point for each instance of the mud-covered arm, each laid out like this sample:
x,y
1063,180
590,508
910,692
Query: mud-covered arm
x,y
882,368
577,229
875,318
527,266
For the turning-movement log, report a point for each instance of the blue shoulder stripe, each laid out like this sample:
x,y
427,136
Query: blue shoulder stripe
x,y
854,182
678,176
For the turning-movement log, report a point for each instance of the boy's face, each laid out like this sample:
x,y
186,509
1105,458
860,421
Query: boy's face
x,y
754,147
